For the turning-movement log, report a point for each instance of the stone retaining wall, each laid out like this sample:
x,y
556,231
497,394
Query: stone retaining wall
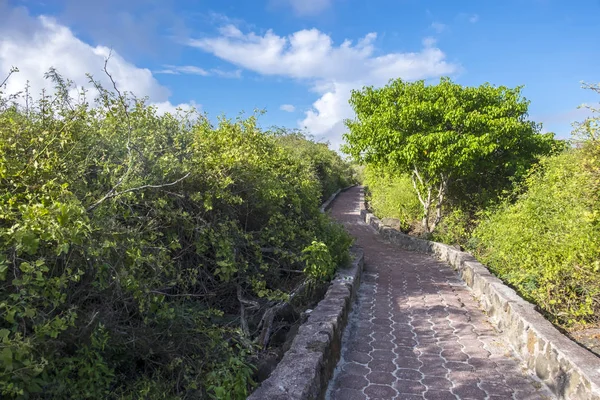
x,y
305,369
570,371
307,366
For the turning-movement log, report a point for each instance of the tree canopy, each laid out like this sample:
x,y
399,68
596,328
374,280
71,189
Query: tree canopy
x,y
448,137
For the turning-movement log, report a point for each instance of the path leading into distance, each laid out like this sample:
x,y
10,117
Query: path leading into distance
x,y
416,332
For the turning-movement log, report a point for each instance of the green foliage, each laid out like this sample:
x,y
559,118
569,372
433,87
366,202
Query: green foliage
x,y
331,171
229,380
319,264
547,244
455,228
447,137
128,241
392,195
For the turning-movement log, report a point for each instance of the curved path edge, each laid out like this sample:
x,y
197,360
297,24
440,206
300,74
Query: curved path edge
x,y
569,371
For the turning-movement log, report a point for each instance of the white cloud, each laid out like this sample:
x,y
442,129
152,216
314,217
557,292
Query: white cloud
x,y
182,69
332,71
308,7
287,107
193,70
467,17
166,106
226,74
230,30
438,27
34,44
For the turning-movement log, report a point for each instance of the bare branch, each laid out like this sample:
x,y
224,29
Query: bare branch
x,y
12,71
183,294
114,193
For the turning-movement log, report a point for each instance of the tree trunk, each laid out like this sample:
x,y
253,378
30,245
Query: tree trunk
x,y
440,200
427,202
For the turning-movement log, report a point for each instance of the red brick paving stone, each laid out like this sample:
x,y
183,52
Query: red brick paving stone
x,y
361,358
496,389
355,369
433,371
469,391
348,394
427,339
408,374
451,346
437,383
407,352
411,308
381,315
432,360
410,387
361,347
408,362
406,396
345,380
382,378
404,340
382,366
380,392
382,345
430,349
476,352
383,329
458,366
439,395
385,337
455,356
382,355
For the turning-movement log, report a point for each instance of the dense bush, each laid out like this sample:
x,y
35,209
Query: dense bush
x,y
139,252
547,244
333,172
392,195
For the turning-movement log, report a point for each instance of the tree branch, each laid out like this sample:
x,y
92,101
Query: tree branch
x,y
12,71
113,193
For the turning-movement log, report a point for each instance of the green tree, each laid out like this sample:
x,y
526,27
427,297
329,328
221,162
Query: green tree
x,y
447,137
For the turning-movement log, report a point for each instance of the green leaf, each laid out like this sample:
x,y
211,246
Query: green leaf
x,y
6,357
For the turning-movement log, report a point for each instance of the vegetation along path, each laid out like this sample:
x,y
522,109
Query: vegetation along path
x,y
417,332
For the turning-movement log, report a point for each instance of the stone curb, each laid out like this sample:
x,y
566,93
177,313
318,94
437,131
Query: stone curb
x,y
305,369
570,371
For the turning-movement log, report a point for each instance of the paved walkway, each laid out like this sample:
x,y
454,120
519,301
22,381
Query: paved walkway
x,y
416,332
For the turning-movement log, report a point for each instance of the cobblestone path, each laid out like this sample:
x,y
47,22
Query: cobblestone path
x,y
416,332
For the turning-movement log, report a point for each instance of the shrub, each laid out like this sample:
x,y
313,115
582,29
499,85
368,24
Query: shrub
x,y
392,196
331,171
139,252
455,228
547,244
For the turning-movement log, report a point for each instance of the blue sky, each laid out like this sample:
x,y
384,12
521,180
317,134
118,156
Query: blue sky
x,y
299,59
